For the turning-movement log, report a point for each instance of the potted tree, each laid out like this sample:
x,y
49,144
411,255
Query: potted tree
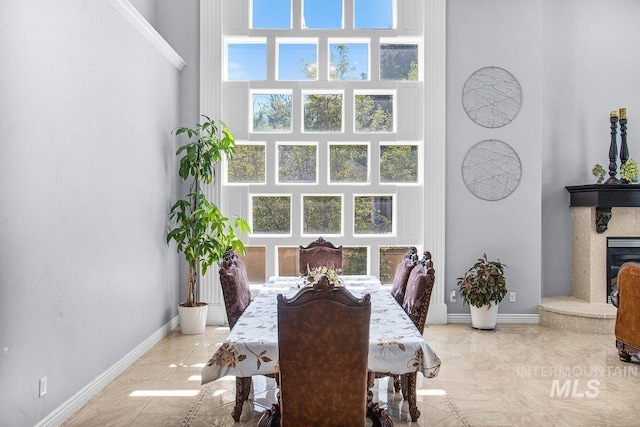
x,y
483,286
201,232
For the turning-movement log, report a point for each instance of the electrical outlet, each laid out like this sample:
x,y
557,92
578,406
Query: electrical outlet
x,y
452,298
512,297
43,386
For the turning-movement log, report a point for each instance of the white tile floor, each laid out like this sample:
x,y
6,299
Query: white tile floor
x,y
517,375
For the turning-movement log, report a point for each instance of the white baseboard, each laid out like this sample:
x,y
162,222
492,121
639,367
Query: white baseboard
x,y
502,318
437,314
64,411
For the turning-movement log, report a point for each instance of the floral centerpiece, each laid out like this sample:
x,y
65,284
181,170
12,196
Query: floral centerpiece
x,y
314,274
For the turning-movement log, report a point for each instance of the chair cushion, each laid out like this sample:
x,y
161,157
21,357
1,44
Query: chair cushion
x,y
244,282
236,297
403,270
418,294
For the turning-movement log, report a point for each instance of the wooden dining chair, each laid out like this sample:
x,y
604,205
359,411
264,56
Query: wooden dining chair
x,y
237,296
235,286
320,253
401,276
323,346
416,305
398,288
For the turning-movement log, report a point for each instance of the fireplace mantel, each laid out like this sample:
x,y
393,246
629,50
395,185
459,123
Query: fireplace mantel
x,y
604,197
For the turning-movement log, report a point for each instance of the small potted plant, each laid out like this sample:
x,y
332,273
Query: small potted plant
x,y
629,171
482,287
599,172
201,232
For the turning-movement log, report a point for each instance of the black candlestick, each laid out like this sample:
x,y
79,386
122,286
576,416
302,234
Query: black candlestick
x,y
613,150
624,149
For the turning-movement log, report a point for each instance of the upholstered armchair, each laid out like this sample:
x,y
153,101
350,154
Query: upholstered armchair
x,y
627,299
320,253
323,347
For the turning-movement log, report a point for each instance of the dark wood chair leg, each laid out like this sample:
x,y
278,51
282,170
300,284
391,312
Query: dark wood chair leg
x,y
626,352
377,415
243,387
409,394
271,417
397,384
624,356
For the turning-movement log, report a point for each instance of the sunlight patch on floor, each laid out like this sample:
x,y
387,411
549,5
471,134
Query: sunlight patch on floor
x,y
164,393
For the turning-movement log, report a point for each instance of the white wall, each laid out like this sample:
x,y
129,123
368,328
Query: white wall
x,y
506,34
147,8
87,174
576,61
178,22
592,62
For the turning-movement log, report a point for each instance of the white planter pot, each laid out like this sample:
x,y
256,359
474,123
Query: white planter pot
x,y
484,317
193,320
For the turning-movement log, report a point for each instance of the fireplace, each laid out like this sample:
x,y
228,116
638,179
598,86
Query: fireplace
x,y
619,251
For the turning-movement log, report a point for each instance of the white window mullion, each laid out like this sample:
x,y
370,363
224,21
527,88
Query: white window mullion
x,y
211,48
418,110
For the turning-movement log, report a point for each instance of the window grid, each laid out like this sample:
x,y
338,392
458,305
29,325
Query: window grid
x,y
297,133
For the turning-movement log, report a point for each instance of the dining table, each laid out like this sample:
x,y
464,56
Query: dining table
x,y
396,346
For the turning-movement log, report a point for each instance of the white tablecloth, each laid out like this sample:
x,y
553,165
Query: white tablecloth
x,y
395,344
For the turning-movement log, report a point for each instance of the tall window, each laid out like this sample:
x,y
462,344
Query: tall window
x,y
325,98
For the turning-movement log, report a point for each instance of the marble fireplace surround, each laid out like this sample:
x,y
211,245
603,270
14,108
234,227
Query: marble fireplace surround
x,y
589,249
598,211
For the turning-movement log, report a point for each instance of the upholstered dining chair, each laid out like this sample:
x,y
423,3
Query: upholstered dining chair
x,y
627,299
401,276
237,296
323,346
416,305
320,253
398,289
418,292
235,286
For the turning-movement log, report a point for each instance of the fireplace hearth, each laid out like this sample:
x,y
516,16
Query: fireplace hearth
x,y
598,212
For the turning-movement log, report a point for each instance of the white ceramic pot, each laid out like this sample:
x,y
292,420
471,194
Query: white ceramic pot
x,y
484,317
193,320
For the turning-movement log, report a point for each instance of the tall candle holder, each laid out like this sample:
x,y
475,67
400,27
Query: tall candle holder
x,y
613,150
624,149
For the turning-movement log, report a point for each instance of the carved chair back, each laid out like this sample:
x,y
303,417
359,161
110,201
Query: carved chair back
x,y
320,253
323,342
